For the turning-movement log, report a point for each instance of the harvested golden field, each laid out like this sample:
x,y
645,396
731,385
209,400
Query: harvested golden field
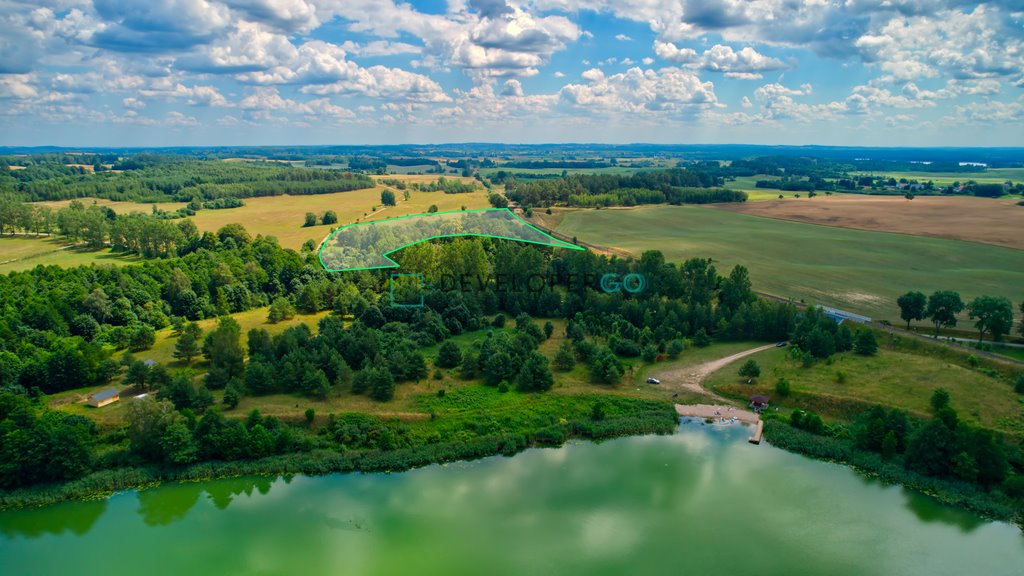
x,y
283,216
984,220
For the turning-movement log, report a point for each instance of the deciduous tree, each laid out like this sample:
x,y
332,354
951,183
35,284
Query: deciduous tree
x,y
993,314
912,306
943,306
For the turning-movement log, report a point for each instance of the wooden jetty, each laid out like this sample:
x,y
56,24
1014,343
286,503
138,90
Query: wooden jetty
x,y
758,432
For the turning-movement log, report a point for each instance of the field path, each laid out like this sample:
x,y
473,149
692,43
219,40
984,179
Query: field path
x,y
690,378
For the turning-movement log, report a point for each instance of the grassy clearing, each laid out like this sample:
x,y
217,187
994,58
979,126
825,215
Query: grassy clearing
x,y
163,350
748,184
27,252
861,271
73,401
852,383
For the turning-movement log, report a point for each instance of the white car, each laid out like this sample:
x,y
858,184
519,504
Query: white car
x,y
653,381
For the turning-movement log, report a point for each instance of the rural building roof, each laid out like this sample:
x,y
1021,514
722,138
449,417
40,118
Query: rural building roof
x,y
104,394
759,399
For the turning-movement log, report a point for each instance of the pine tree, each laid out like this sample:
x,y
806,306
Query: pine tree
x,y
865,344
565,360
535,376
187,347
449,355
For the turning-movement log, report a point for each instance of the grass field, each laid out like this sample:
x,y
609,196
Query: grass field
x,y
489,172
892,379
748,184
118,207
283,216
986,220
856,270
991,176
27,252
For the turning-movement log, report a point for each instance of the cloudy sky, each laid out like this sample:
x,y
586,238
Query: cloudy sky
x,y
205,72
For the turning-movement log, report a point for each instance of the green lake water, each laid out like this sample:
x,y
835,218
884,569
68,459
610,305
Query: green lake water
x,y
702,501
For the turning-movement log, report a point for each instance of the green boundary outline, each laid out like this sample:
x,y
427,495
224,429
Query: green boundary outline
x,y
555,242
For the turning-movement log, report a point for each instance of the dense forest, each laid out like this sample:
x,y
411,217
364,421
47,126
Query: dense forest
x,y
60,327
675,186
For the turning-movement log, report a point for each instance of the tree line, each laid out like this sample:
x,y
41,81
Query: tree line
x,y
676,185
993,315
155,178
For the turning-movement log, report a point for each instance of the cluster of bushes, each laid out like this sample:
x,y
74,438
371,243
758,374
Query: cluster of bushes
x,y
816,336
941,451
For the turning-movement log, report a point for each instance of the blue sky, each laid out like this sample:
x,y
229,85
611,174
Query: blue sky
x,y
233,72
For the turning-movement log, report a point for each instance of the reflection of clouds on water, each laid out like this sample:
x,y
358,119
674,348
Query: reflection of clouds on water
x,y
557,455
701,500
605,533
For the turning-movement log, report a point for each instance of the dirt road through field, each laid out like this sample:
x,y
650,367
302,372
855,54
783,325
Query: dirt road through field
x,y
690,377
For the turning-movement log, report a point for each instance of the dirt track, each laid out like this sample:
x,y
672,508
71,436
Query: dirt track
x,y
689,378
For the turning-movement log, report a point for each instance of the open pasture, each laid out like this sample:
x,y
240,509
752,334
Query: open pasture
x,y
861,271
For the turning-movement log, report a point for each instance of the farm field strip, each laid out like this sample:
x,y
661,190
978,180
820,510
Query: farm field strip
x,y
985,220
862,271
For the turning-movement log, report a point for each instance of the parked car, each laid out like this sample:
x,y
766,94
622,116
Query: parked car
x,y
781,344
653,381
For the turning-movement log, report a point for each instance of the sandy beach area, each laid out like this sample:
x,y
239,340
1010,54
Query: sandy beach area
x,y
716,411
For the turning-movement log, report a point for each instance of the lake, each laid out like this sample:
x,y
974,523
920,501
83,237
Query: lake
x,y
700,501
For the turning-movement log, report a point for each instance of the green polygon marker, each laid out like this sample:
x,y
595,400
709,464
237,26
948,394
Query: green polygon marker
x,y
366,246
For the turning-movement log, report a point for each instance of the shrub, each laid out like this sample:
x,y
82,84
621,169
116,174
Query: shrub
x,y
750,369
866,344
940,399
782,387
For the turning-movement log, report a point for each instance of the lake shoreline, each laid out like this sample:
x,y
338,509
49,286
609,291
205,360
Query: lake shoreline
x,y
105,483
957,494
